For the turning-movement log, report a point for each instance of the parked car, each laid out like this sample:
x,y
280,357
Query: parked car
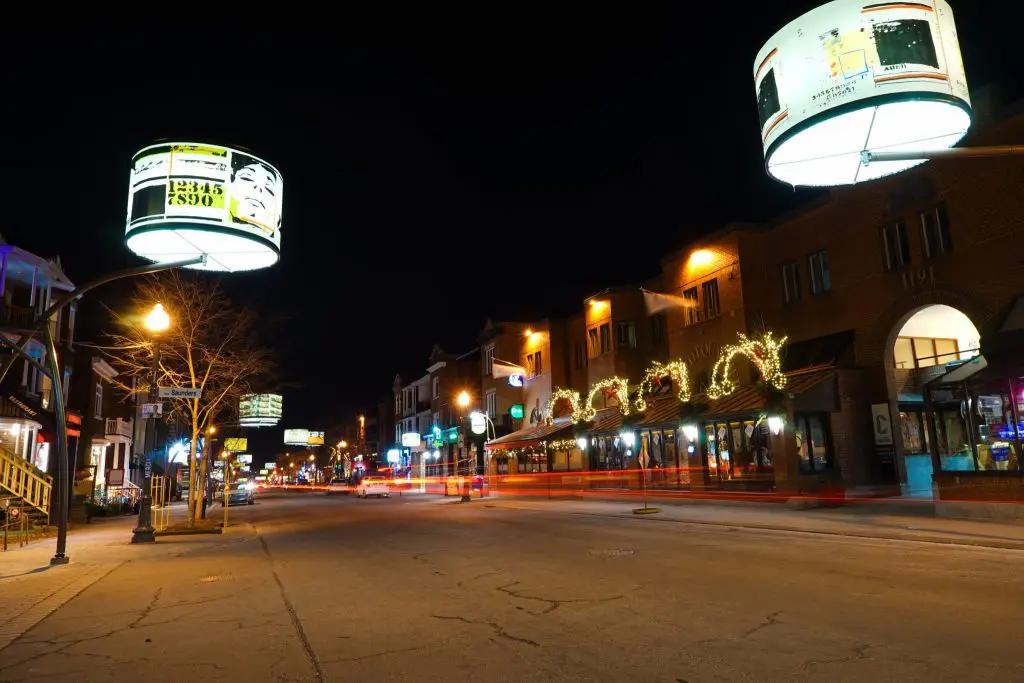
x,y
373,485
238,494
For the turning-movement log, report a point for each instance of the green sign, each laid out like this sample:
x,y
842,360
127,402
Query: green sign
x,y
437,432
516,411
453,435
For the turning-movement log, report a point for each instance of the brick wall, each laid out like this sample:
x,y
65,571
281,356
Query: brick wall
x,y
980,486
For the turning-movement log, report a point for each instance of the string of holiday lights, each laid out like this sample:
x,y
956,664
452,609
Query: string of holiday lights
x,y
570,395
612,388
655,376
764,352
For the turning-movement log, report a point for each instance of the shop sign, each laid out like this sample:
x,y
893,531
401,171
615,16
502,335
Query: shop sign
x,y
516,411
24,406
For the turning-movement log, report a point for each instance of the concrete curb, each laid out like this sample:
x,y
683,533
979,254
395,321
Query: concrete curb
x,y
913,537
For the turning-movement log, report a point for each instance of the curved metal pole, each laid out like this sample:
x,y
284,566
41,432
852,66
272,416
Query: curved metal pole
x,y
79,291
119,275
63,489
42,322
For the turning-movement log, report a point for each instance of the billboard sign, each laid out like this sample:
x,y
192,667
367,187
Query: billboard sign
x,y
315,439
244,458
235,445
260,410
411,440
851,77
296,437
187,199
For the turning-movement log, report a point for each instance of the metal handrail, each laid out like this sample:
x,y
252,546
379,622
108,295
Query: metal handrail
x,y
20,478
20,524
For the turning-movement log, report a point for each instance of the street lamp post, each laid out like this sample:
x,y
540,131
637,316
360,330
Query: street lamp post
x,y
463,400
156,322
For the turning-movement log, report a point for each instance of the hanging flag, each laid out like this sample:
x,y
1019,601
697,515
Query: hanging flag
x,y
501,368
659,302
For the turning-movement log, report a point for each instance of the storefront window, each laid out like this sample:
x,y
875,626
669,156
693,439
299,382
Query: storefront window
x,y
532,463
680,475
997,435
915,436
738,450
501,465
812,442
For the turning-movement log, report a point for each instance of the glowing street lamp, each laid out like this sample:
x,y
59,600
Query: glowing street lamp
x,y
463,399
158,320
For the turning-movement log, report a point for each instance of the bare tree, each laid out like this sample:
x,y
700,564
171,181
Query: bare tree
x,y
210,345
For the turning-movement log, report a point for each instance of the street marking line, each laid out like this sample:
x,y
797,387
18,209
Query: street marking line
x,y
24,622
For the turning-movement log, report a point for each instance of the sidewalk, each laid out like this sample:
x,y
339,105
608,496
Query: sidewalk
x,y
31,589
859,521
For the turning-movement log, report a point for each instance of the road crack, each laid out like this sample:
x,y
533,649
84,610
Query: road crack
x,y
293,615
770,620
858,652
499,630
148,609
552,603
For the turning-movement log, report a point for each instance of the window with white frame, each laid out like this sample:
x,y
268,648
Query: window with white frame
x,y
895,245
437,387
489,360
790,283
492,404
821,279
692,306
97,400
31,378
535,364
935,231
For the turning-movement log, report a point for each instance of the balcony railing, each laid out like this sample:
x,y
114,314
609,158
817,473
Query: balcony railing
x,y
16,316
119,427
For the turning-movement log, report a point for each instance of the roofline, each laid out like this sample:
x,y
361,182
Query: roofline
x,y
730,227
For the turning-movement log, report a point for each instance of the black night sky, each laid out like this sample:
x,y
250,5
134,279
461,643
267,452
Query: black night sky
x,y
440,167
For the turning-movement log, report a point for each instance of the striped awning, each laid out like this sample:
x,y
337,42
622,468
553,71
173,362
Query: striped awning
x,y
531,436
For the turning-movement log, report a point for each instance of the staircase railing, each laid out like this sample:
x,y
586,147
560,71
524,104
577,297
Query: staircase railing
x,y
20,478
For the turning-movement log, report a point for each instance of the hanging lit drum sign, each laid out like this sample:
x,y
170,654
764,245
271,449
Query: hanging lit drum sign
x,y
187,199
854,76
477,423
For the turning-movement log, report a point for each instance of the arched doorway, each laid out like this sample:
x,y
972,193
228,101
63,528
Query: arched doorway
x,y
923,345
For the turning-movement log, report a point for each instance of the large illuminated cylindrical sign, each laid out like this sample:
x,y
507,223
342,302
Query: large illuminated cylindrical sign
x,y
188,199
854,76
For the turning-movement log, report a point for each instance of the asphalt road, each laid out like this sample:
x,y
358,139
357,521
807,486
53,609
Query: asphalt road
x,y
315,588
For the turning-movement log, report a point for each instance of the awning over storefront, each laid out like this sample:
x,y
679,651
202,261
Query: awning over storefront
x,y
751,399
607,421
662,410
532,436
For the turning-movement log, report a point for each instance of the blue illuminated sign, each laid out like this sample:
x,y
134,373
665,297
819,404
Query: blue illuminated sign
x,y
515,380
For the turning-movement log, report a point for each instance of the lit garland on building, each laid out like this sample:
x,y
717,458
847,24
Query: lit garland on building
x,y
676,371
542,448
612,387
764,353
573,397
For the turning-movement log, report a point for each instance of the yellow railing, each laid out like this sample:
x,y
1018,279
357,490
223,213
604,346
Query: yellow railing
x,y
20,478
